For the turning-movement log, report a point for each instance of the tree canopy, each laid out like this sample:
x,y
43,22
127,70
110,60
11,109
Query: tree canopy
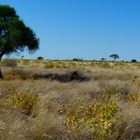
x,y
114,56
15,36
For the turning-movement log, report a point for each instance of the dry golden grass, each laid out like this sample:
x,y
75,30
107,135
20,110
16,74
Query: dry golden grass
x,y
70,101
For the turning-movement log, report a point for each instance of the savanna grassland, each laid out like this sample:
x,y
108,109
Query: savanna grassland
x,y
69,100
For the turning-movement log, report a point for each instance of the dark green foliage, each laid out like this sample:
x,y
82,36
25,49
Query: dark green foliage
x,y
114,56
14,34
40,58
9,63
103,59
77,59
134,60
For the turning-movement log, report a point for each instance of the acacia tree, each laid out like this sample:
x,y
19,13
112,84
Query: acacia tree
x,y
15,36
114,56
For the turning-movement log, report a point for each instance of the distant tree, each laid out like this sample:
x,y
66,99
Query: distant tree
x,y
15,36
134,60
114,56
22,56
77,59
40,58
103,59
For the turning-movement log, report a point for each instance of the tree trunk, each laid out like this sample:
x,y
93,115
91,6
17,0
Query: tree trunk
x,y
1,76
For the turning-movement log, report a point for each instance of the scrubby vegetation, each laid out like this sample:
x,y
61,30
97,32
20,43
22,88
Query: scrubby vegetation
x,y
70,100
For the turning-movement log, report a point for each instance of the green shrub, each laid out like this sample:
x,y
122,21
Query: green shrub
x,y
134,98
111,91
26,62
23,74
18,74
49,65
9,63
98,118
104,64
21,101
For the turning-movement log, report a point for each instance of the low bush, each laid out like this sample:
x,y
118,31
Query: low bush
x,y
21,101
110,91
49,65
97,118
134,98
104,65
17,74
9,63
26,62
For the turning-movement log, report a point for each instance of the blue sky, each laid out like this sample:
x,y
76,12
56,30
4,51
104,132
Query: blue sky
x,y
89,29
